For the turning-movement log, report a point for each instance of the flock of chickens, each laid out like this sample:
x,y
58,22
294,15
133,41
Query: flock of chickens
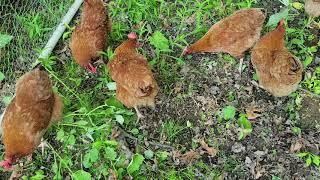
x,y
35,106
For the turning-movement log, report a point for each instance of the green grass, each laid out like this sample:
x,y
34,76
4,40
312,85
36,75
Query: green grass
x,y
83,145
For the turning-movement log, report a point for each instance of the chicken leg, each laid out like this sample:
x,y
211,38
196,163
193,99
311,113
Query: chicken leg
x,y
16,172
240,66
43,145
140,116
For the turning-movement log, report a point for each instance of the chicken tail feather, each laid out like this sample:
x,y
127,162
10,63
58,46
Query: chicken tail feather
x,y
146,91
295,65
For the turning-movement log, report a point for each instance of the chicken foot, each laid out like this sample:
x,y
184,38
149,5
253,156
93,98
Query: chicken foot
x,y
240,66
140,116
43,144
16,172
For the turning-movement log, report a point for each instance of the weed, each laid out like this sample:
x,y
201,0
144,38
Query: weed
x,y
245,126
171,130
229,112
4,40
310,159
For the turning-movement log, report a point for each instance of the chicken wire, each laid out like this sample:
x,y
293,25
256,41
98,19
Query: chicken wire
x,y
31,23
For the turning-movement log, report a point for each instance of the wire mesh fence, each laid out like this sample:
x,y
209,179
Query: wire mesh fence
x,y
30,23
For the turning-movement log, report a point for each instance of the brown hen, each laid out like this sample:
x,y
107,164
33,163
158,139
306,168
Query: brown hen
x,y
312,7
90,36
234,34
279,72
136,85
31,112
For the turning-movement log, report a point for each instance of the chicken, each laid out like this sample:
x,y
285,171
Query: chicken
x,y
234,34
31,112
136,85
90,36
312,7
279,72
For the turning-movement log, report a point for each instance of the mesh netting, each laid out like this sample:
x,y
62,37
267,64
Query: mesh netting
x,y
31,23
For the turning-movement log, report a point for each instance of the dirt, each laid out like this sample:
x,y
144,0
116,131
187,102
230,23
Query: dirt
x,y
202,90
310,113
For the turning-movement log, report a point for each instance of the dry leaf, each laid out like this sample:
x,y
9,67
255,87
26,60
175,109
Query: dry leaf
x,y
186,158
177,88
209,123
296,146
115,133
113,175
139,25
253,112
258,171
191,19
210,150
64,49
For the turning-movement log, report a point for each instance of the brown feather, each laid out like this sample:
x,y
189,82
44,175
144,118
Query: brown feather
x,y
234,34
90,36
135,83
279,72
29,115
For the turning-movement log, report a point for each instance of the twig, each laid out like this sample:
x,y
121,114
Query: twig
x,y
255,84
150,142
56,153
15,173
309,92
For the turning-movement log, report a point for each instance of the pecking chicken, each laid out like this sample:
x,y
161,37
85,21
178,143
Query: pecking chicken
x,y
136,85
90,36
279,72
312,7
31,112
234,34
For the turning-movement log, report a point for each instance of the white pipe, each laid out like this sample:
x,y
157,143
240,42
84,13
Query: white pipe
x,y
1,118
59,30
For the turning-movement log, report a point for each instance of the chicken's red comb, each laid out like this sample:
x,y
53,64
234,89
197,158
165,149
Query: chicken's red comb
x,y
6,164
132,35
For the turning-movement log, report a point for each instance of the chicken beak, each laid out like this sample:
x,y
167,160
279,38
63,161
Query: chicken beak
x,y
91,68
184,52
